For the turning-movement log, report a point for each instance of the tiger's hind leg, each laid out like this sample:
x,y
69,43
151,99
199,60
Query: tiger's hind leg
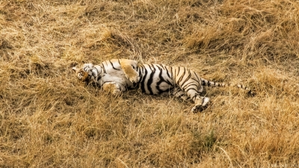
x,y
193,92
130,69
200,102
113,88
177,92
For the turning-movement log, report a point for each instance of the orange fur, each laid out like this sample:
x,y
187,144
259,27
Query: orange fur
x,y
127,67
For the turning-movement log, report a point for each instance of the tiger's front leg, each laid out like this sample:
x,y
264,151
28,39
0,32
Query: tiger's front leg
x,y
130,70
113,88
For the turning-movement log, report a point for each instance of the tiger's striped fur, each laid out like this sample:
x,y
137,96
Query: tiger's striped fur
x,y
123,74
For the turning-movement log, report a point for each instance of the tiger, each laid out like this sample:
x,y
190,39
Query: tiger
x,y
119,75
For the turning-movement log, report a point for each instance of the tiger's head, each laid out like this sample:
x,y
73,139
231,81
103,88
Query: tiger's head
x,y
84,74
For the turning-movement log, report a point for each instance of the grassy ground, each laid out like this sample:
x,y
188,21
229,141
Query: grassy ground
x,y
49,119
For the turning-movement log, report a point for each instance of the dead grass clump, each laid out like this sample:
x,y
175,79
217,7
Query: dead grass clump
x,y
4,44
271,80
270,145
112,38
251,30
93,8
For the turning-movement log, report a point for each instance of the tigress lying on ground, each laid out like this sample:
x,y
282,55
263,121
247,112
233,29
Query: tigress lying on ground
x,y
118,75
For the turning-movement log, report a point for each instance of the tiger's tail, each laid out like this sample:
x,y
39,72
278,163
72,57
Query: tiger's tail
x,y
208,83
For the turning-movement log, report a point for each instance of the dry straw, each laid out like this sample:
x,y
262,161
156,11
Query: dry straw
x,y
49,119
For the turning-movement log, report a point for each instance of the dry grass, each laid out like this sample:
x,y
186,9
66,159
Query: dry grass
x,y
49,119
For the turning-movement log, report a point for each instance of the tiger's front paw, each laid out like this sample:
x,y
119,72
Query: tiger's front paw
x,y
198,108
134,79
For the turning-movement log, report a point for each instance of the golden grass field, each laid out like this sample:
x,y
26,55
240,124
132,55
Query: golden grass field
x,y
49,119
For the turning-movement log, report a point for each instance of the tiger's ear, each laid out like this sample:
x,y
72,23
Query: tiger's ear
x,y
74,69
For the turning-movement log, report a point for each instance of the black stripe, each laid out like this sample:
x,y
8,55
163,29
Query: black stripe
x,y
176,90
178,93
150,81
168,75
106,63
162,66
195,95
141,65
158,66
154,68
195,74
113,66
168,82
103,67
143,80
191,88
180,79
189,85
86,68
179,69
203,82
167,72
187,79
174,75
150,67
98,77
160,81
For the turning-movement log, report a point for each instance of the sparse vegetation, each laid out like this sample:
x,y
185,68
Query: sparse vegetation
x,y
49,119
